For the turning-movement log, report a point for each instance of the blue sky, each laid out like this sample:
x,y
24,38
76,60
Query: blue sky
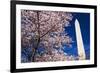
x,y
84,20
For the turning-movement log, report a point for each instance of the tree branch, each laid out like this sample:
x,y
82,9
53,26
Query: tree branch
x,y
47,32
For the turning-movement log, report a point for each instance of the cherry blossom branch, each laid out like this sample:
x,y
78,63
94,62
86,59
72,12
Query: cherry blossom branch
x,y
48,31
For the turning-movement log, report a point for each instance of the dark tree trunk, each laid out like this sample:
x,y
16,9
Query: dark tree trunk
x,y
37,40
34,51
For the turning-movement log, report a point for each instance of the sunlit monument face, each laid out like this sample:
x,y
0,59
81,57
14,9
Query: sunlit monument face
x,y
45,36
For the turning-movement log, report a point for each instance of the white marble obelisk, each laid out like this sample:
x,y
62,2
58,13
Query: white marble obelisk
x,y
80,46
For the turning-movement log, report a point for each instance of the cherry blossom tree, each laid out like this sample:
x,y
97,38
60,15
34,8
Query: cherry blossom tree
x,y
45,29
